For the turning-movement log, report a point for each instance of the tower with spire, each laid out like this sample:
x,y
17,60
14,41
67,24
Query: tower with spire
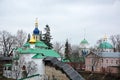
x,y
36,31
105,46
84,47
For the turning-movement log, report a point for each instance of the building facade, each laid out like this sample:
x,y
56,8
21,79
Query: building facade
x,y
102,62
28,59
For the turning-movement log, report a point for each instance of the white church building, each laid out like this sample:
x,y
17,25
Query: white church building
x,y
28,60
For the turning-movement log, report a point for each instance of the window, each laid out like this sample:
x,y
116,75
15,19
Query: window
x,y
106,61
116,62
101,60
24,68
9,68
111,61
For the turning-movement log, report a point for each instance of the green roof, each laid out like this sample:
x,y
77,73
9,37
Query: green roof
x,y
16,58
84,41
37,44
65,60
40,44
46,52
8,65
105,45
29,77
38,56
27,44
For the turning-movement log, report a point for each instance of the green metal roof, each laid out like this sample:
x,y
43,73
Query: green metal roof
x,y
16,58
37,44
38,56
46,52
65,60
27,44
40,44
84,41
105,45
8,65
29,77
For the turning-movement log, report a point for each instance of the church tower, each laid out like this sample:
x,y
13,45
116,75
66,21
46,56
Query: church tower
x,y
84,47
105,46
36,31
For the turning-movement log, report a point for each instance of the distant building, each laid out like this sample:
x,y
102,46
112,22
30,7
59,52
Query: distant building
x,y
105,46
102,62
84,47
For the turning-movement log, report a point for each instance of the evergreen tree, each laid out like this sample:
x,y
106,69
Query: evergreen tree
x,y
47,37
28,39
67,50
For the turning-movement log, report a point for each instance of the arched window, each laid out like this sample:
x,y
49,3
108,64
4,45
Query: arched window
x,y
24,67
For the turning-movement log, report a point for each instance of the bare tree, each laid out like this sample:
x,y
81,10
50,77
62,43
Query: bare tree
x,y
58,47
21,37
17,68
95,60
23,69
98,43
118,42
7,42
31,67
115,39
75,54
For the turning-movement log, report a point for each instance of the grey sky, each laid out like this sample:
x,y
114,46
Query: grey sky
x,y
66,18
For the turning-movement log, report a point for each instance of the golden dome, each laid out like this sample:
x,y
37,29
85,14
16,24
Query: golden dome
x,y
32,40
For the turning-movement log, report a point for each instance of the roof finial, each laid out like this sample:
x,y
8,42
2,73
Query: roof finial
x,y
84,33
36,22
105,37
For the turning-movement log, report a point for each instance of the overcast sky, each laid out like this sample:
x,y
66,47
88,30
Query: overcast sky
x,y
67,18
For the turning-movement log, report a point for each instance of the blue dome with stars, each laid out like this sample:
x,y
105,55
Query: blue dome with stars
x,y
36,31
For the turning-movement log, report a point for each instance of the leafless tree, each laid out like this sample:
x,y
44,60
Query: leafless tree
x,y
75,53
115,39
21,37
118,42
31,67
17,65
7,42
57,46
95,60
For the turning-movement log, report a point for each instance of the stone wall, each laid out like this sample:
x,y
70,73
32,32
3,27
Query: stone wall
x,y
54,74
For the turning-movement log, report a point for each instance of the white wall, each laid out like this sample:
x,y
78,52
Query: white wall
x,y
40,66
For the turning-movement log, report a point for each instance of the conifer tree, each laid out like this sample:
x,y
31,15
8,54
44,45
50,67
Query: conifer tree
x,y
47,37
67,50
28,38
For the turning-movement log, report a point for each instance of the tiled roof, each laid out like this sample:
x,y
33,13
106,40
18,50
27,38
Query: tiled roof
x,y
106,54
110,54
